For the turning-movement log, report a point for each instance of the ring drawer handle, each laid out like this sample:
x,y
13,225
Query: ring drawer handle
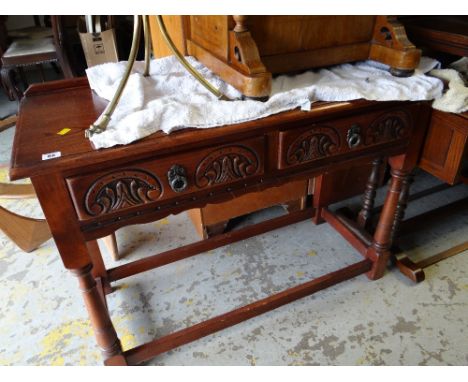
x,y
354,136
177,178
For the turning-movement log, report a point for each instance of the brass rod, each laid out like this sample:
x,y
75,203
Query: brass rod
x,y
101,123
186,64
146,35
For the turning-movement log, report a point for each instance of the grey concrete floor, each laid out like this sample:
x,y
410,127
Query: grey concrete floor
x,y
391,321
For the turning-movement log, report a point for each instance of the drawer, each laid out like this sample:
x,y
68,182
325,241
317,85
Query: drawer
x,y
152,181
341,136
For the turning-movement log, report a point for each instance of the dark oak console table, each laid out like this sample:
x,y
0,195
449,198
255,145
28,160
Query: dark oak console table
x,y
87,194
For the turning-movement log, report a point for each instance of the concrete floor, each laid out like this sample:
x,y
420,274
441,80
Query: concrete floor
x,y
391,321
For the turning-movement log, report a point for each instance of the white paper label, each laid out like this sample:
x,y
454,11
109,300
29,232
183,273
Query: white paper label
x,y
53,155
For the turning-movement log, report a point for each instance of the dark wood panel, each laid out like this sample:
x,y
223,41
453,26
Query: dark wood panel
x,y
445,145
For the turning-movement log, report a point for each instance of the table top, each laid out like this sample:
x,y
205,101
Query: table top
x,y
49,108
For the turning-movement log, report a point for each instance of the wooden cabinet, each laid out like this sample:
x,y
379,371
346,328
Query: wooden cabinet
x,y
246,51
445,152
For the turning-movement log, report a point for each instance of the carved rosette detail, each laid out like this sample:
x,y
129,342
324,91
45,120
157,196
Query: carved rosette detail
x,y
122,189
388,127
316,143
229,163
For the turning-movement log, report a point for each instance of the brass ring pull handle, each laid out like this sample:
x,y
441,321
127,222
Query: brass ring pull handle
x,y
177,178
354,136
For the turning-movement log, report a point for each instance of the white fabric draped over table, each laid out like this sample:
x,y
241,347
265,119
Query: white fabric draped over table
x,y
170,98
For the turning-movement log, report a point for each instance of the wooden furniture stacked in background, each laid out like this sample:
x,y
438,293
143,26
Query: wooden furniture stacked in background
x,y
100,191
33,46
439,34
246,51
445,153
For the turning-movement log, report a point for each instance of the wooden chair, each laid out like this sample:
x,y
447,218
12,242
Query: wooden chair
x,y
28,233
33,46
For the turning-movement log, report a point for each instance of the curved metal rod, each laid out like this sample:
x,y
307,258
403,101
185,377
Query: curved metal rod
x,y
101,123
186,64
146,35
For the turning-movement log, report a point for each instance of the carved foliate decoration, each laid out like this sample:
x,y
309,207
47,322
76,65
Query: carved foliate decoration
x,y
316,143
388,127
122,189
229,163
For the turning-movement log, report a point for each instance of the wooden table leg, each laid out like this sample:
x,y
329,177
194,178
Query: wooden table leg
x,y
104,331
99,268
78,257
401,206
14,92
369,195
110,242
379,251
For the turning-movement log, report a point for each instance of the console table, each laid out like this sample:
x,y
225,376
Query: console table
x,y
87,194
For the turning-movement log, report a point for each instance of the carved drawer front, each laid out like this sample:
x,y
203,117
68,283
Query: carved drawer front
x,y
341,136
158,180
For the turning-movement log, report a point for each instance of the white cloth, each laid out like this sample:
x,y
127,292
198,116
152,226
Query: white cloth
x,y
170,98
455,99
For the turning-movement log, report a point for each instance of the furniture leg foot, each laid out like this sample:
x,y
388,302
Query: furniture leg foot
x,y
104,331
215,229
409,268
401,72
318,218
110,242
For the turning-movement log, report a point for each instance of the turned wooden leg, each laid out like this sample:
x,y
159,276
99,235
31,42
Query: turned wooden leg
x,y
379,251
214,229
13,90
317,199
111,244
99,268
401,206
296,205
22,77
104,331
369,194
